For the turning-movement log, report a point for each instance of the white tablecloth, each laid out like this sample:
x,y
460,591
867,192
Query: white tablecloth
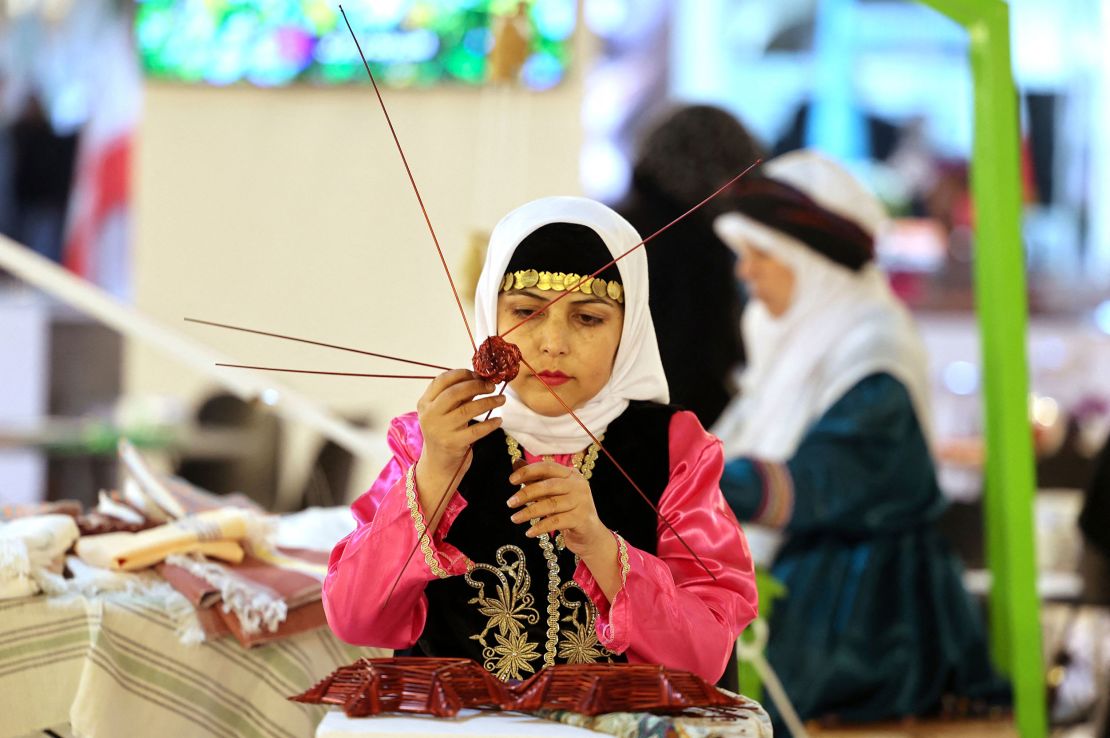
x,y
467,724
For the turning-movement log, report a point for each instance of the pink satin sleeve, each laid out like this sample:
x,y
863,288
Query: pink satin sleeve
x,y
669,610
364,565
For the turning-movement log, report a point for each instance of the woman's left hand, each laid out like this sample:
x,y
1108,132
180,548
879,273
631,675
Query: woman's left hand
x,y
561,498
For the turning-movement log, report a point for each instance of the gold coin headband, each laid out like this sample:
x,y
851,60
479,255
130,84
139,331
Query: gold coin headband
x,y
561,282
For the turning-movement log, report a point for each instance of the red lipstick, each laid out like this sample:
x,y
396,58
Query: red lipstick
x,y
553,378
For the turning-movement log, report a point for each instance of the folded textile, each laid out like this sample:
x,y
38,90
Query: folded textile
x,y
30,546
96,523
271,594
219,624
214,534
113,514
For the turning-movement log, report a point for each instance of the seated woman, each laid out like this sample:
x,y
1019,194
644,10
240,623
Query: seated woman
x,y
828,442
544,553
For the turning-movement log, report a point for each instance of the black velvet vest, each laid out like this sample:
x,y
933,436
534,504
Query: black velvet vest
x,y
518,609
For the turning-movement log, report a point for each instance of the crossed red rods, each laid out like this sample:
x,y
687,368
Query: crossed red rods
x,y
495,359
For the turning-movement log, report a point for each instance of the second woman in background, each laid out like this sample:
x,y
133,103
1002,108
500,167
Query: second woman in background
x,y
827,442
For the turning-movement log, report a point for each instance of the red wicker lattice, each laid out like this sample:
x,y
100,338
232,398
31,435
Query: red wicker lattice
x,y
593,689
438,687
442,687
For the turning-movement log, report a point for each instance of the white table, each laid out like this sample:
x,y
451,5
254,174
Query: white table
x,y
477,724
467,724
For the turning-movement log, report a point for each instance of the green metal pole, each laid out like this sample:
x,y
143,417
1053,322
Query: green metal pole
x,y
1002,311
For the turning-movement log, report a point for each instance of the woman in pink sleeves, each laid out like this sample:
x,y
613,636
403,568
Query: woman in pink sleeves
x,y
559,561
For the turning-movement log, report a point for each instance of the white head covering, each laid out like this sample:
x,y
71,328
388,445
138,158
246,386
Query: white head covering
x,y
637,372
841,326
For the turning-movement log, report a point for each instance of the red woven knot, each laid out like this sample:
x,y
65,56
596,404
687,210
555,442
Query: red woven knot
x,y
497,360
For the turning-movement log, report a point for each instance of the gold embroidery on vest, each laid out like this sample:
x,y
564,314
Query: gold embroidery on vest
x,y
508,612
582,642
579,643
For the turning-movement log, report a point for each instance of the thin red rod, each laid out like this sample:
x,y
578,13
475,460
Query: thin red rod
x,y
619,468
572,287
316,343
333,374
412,179
439,506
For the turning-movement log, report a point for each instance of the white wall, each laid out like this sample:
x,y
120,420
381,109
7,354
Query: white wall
x,y
289,210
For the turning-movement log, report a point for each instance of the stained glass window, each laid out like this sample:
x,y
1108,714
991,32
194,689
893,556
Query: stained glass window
x,y
408,43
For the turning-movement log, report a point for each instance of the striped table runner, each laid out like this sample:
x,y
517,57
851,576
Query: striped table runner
x,y
115,665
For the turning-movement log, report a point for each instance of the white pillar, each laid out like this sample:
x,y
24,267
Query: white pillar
x,y
24,373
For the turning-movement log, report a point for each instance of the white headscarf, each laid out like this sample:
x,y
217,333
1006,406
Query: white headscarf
x,y
841,326
637,372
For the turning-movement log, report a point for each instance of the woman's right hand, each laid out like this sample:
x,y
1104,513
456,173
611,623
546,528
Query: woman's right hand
x,y
445,410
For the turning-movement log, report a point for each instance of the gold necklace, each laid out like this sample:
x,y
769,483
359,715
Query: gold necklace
x,y
583,462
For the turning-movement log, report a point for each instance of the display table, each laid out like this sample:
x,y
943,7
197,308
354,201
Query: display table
x,y
115,665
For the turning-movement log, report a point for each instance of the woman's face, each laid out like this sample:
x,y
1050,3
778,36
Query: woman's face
x,y
768,280
572,345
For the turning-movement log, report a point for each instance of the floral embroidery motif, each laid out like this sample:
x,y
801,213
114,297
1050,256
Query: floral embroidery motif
x,y
509,611
579,643
512,656
580,646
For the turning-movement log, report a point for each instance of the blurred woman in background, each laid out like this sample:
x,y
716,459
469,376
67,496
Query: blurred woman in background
x,y
695,302
828,443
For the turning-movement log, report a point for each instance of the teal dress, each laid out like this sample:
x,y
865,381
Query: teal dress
x,y
875,623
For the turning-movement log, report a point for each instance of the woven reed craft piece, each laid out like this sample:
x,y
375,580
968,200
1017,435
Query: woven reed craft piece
x,y
497,360
439,687
442,687
594,689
